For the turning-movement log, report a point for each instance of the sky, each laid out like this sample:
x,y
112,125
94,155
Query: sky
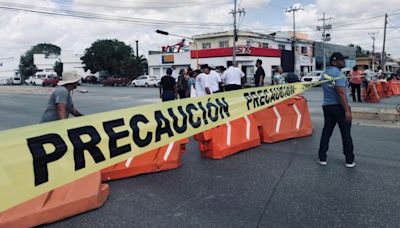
x,y
25,23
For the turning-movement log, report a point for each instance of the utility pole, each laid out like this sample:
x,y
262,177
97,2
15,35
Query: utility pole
x,y
235,36
383,55
372,35
137,48
325,36
293,10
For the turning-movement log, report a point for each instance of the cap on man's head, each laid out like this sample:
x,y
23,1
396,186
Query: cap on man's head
x,y
337,56
204,66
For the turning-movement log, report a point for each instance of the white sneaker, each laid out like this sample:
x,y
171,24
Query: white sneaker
x,y
322,163
350,165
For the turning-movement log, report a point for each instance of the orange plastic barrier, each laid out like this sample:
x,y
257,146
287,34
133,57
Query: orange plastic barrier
x,y
372,93
379,89
387,89
286,120
71,199
164,158
395,87
229,139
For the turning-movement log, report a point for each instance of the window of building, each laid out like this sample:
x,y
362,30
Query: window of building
x,y
206,45
303,50
224,44
265,45
281,47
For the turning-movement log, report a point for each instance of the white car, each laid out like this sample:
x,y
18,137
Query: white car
x,y
313,76
146,81
39,77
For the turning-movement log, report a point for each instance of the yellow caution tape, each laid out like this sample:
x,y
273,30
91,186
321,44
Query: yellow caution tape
x,y
39,158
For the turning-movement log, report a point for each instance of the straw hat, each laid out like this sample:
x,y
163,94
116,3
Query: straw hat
x,y
69,77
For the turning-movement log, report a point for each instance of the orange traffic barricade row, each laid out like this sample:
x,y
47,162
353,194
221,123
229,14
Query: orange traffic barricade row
x,y
164,158
230,138
85,194
372,93
395,86
286,120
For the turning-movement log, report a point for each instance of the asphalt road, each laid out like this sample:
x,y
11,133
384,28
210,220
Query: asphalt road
x,y
274,185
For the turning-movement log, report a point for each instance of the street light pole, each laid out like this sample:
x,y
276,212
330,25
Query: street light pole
x,y
185,37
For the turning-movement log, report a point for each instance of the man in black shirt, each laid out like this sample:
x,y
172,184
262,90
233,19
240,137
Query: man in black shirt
x,y
259,75
168,89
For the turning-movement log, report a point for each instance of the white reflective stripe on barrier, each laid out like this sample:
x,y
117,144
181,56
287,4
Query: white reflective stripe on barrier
x,y
168,152
298,116
128,162
248,125
278,121
228,133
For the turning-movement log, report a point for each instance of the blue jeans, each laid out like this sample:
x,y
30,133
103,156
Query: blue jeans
x,y
168,95
335,114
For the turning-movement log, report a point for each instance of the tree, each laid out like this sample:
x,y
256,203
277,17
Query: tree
x,y
114,57
58,67
359,51
26,65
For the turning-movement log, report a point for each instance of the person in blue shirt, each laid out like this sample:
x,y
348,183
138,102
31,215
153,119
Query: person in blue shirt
x,y
336,110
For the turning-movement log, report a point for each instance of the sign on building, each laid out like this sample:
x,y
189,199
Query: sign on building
x,y
167,59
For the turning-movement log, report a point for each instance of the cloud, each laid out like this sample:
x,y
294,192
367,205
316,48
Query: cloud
x,y
21,30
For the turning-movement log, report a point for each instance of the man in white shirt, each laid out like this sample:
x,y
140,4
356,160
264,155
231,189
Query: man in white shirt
x,y
202,85
232,77
214,79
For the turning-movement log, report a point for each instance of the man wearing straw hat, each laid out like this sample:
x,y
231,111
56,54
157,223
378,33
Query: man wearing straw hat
x,y
60,103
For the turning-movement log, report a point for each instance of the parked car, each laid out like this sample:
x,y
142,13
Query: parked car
x,y
291,77
146,81
313,76
16,80
39,77
6,81
90,79
116,81
50,81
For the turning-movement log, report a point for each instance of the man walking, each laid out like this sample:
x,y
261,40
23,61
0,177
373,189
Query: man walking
x,y
336,110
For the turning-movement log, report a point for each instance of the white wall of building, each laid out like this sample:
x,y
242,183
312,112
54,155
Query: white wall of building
x,y
44,63
73,62
158,69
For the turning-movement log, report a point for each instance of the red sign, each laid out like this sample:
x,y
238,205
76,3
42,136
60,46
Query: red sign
x,y
243,50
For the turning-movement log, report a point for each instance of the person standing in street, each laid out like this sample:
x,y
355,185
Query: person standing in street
x,y
214,78
168,90
336,110
260,74
355,83
278,77
182,83
202,84
60,104
232,77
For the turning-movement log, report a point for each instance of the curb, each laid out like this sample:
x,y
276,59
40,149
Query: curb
x,y
376,114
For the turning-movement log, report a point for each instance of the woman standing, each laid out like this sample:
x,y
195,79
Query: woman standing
x,y
355,83
278,77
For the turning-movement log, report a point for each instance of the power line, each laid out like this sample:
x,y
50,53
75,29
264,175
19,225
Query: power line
x,y
86,15
149,6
